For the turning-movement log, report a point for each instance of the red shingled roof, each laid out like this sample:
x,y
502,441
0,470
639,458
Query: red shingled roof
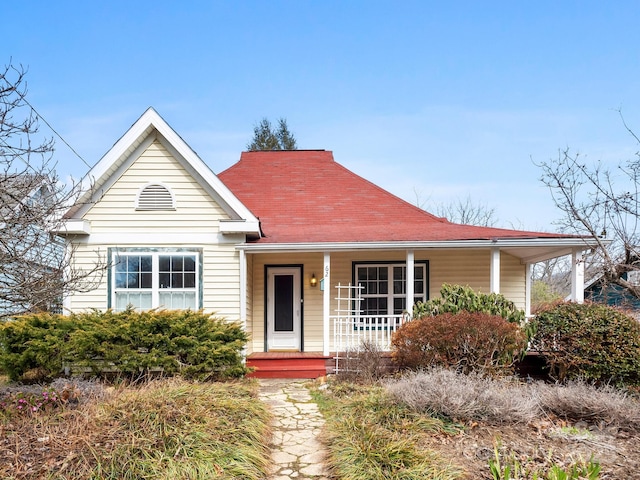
x,y
304,196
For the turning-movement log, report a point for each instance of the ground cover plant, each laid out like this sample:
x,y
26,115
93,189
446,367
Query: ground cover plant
x,y
162,429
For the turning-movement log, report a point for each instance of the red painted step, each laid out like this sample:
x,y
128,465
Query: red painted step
x,y
280,365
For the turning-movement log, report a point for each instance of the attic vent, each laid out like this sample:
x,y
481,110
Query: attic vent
x,y
155,197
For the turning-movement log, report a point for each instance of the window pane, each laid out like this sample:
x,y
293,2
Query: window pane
x,y
176,280
146,265
384,273
189,280
164,263
178,300
164,280
121,264
146,280
372,273
133,263
177,263
189,263
140,301
418,286
398,273
399,305
121,279
418,272
383,287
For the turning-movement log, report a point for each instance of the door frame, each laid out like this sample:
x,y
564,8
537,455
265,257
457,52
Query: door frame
x,y
299,270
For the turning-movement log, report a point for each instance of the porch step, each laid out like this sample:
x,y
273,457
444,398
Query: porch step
x,y
289,365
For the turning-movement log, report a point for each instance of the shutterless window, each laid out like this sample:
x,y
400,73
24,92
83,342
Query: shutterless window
x,y
156,280
385,287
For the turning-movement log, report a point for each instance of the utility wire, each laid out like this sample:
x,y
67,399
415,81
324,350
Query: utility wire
x,y
54,131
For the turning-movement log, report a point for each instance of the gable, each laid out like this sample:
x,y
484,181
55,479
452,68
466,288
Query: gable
x,y
149,134
191,209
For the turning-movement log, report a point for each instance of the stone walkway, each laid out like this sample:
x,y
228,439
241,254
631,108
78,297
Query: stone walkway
x,y
296,451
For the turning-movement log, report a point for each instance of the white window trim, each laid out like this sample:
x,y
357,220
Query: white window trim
x,y
155,289
390,295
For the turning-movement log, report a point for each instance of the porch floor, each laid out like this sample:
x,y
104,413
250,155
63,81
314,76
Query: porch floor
x,y
290,364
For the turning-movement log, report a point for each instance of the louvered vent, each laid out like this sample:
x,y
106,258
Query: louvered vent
x,y
155,197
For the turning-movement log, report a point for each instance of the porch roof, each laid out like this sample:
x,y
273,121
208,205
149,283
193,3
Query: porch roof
x,y
303,197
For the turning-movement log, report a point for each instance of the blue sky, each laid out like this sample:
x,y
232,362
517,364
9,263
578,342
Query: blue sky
x,y
434,101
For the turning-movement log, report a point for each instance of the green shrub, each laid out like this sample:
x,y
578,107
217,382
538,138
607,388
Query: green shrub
x,y
35,344
590,341
456,298
192,344
463,341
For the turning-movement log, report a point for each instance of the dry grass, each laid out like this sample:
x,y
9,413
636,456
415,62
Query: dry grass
x,y
372,438
163,430
444,392
507,401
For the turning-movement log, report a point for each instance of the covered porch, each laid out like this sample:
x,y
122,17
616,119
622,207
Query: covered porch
x,y
335,308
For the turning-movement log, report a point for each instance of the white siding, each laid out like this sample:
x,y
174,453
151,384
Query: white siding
x,y
195,211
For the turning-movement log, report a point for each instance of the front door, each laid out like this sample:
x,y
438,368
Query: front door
x,y
284,308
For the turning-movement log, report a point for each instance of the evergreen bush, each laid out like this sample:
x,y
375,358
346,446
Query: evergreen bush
x,y
590,341
130,343
457,298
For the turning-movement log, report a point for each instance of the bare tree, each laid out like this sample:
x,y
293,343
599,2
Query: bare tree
x,y
266,137
467,212
602,203
35,270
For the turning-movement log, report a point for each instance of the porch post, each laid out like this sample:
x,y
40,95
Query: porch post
x,y
326,303
494,277
410,281
243,289
527,289
577,276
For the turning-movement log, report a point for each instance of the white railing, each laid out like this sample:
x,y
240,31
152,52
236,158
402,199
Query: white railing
x,y
351,331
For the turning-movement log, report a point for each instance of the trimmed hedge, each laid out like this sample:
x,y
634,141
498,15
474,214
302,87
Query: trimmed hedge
x,y
590,341
191,344
464,341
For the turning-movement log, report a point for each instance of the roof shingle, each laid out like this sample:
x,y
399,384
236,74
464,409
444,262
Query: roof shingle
x,y
304,196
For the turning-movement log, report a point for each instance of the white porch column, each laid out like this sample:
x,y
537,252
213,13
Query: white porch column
x,y
410,281
243,289
494,278
326,303
528,271
577,276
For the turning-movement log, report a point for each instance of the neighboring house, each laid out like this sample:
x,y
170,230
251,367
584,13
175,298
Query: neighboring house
x,y
30,257
308,256
600,291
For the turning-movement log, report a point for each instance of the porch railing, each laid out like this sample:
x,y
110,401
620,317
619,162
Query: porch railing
x,y
350,331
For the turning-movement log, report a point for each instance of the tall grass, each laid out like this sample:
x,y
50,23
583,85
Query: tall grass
x,y
169,429
369,437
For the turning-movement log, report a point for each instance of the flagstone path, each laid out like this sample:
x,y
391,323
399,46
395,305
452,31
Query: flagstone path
x,y
297,454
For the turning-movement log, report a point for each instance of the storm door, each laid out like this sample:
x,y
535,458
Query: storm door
x,y
284,308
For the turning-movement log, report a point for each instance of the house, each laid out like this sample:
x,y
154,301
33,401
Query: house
x,y
30,257
600,291
310,257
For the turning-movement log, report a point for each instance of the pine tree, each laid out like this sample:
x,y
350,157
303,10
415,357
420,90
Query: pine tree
x,y
265,137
